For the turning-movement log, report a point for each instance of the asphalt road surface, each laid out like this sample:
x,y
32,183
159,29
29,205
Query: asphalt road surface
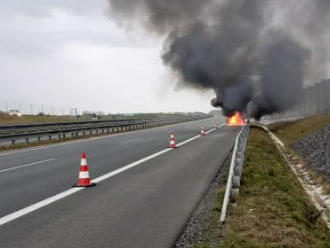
x,y
144,204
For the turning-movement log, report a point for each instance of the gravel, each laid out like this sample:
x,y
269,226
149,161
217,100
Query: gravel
x,y
203,225
315,149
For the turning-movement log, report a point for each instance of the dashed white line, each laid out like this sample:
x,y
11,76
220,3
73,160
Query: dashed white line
x,y
27,165
10,217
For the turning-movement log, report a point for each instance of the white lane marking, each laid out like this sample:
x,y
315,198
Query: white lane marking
x,y
188,140
197,136
10,217
27,165
129,166
90,139
37,205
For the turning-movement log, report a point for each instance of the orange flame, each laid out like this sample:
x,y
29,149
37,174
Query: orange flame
x,y
235,120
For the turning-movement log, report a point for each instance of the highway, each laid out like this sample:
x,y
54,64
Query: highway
x,y
144,205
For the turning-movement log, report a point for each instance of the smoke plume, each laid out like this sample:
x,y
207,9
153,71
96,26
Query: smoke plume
x,y
255,54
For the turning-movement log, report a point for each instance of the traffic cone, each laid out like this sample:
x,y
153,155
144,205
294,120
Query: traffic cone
x,y
202,131
216,126
84,180
172,141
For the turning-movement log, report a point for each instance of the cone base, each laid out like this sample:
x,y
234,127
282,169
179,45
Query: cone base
x,y
84,186
174,146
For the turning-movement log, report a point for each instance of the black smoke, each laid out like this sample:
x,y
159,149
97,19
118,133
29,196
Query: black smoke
x,y
254,54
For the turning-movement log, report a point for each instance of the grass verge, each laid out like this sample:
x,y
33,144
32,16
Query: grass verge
x,y
27,119
273,210
290,132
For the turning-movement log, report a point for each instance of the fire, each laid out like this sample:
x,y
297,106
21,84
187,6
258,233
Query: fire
x,y
235,120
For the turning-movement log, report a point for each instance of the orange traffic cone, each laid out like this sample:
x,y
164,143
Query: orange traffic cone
x,y
84,180
202,131
172,141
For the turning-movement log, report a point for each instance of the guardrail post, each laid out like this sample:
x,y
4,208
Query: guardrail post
x,y
235,172
39,138
49,137
13,141
27,140
234,194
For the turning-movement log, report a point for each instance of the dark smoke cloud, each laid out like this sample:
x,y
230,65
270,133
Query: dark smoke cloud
x,y
255,54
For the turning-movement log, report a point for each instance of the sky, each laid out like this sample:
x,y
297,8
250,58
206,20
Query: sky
x,y
72,54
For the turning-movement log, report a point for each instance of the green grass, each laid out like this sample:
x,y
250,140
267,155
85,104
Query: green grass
x,y
7,119
290,132
272,210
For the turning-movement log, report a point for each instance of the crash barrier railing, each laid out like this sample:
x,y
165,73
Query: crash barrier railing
x,y
26,133
235,171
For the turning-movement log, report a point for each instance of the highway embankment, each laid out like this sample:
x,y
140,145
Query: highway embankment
x,y
310,139
273,209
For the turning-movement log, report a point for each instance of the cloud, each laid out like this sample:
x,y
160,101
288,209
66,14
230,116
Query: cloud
x,y
67,53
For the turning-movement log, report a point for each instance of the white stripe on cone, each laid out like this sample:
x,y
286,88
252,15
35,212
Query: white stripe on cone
x,y
83,174
83,161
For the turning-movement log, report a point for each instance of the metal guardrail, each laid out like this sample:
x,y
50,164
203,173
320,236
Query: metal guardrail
x,y
10,134
15,126
235,171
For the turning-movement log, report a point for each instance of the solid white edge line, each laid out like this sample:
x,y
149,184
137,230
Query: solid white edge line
x,y
10,217
26,165
33,207
129,166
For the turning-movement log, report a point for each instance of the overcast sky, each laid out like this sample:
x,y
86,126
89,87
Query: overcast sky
x,y
69,53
